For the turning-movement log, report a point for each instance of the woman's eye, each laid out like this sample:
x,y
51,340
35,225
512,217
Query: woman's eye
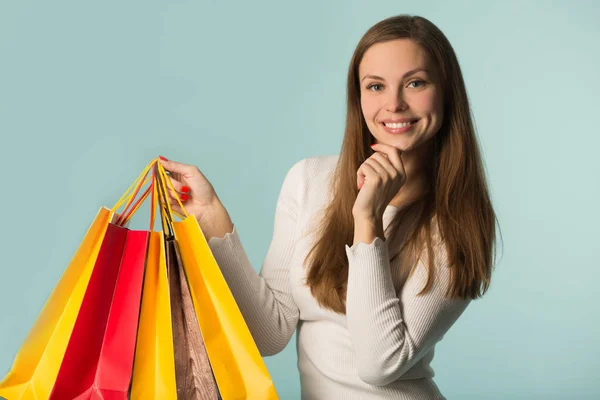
x,y
374,87
417,81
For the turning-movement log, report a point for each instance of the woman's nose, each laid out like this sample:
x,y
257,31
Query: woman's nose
x,y
396,102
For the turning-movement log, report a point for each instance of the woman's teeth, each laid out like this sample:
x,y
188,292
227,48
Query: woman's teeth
x,y
396,125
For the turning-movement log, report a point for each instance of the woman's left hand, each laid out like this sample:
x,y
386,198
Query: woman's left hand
x,y
378,179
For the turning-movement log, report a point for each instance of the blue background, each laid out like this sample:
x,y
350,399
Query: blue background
x,y
91,91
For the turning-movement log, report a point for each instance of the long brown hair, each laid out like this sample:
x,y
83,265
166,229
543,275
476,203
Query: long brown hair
x,y
458,200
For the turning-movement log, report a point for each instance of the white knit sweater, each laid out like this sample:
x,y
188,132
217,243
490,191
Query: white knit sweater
x,y
383,346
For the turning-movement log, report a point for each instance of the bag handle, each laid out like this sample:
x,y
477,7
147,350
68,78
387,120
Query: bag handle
x,y
162,181
131,193
139,182
162,204
158,189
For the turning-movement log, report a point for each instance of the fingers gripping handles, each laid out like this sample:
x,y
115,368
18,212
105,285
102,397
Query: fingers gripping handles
x,y
163,184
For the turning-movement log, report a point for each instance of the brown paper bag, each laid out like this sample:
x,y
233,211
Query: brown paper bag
x,y
193,373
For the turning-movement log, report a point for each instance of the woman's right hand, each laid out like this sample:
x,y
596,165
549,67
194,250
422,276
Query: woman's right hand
x,y
194,190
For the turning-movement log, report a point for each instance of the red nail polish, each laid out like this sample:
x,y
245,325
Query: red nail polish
x,y
163,158
184,197
372,145
185,189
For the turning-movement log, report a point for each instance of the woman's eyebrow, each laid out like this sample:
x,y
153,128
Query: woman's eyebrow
x,y
409,73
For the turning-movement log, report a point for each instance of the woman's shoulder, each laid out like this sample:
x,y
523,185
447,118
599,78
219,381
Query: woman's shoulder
x,y
319,164
308,181
327,162
312,171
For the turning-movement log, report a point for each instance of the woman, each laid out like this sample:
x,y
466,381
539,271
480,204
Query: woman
x,y
378,250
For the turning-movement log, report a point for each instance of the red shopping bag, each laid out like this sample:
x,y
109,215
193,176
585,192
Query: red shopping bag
x,y
98,361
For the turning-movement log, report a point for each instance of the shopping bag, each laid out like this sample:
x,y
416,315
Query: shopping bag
x,y
36,364
237,365
193,371
154,365
99,359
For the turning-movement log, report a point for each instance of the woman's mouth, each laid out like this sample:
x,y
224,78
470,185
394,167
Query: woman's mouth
x,y
395,128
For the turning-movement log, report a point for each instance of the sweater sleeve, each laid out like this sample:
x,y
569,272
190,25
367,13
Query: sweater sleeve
x,y
390,333
265,299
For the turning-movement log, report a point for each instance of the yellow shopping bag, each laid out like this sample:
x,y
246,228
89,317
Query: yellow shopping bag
x,y
154,365
36,365
237,365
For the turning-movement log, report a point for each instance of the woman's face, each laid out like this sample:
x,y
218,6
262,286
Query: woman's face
x,y
401,96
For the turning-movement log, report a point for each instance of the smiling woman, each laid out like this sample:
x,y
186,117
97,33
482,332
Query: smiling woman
x,y
401,99
377,251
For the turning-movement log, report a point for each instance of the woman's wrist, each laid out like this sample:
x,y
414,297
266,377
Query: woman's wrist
x,y
366,229
215,221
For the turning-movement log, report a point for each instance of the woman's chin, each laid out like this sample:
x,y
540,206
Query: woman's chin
x,y
401,145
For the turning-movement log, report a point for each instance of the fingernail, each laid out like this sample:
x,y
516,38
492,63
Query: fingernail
x,y
185,189
372,145
184,197
163,158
